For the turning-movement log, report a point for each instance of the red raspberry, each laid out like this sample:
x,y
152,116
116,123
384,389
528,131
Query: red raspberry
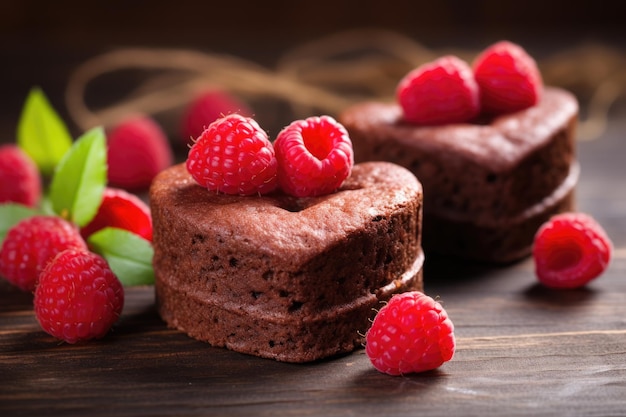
x,y
439,92
570,250
124,210
31,243
207,107
78,297
411,333
19,177
138,149
508,78
314,156
234,156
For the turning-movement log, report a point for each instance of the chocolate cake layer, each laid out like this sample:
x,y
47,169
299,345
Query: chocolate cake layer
x,y
488,172
282,277
497,241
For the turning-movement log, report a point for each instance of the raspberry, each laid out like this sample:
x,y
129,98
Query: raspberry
x,y
207,107
314,156
439,92
138,149
124,210
508,78
234,156
19,177
570,250
78,297
31,243
411,333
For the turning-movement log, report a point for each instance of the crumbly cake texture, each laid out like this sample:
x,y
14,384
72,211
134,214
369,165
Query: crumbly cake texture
x,y
292,279
488,185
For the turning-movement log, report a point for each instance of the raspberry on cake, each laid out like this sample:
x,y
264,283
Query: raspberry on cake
x,y
508,78
282,277
439,92
314,156
234,156
488,184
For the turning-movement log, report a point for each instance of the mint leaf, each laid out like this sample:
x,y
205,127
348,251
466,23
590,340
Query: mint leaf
x,y
11,214
80,178
41,132
128,254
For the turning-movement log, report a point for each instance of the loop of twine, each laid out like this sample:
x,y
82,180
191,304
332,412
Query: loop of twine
x,y
328,74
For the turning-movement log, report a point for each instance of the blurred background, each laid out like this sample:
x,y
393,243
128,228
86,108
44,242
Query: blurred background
x,y
46,43
97,61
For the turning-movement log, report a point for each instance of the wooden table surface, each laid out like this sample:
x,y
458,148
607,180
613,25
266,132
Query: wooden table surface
x,y
521,349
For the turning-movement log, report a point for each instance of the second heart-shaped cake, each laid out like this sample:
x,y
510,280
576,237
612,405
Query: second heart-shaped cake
x,y
293,279
488,184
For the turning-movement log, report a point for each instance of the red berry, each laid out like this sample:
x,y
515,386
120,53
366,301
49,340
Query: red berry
x,y
411,333
508,78
123,210
234,156
570,250
138,149
439,92
78,297
207,107
31,243
314,156
19,177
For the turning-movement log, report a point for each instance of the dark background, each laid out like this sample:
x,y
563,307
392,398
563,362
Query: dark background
x,y
42,42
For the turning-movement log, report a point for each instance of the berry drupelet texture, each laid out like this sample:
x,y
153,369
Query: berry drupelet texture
x,y
314,156
31,244
78,297
411,333
234,156
570,250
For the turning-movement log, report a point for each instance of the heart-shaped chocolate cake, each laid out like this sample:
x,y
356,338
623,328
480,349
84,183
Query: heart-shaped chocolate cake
x,y
293,279
488,184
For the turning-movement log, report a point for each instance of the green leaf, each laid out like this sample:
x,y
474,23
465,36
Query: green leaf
x,y
41,132
80,178
128,254
11,214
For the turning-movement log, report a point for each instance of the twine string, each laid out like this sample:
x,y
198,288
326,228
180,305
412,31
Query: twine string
x,y
325,75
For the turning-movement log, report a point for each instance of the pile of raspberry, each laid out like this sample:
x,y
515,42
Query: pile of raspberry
x,y
309,157
77,297
502,79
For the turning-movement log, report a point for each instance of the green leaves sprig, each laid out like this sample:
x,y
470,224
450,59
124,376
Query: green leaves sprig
x,y
41,132
80,178
78,171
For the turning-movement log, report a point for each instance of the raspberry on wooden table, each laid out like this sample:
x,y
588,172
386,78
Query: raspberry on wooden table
x,y
78,297
411,333
137,150
234,156
19,177
439,92
570,250
31,243
123,210
508,78
314,156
